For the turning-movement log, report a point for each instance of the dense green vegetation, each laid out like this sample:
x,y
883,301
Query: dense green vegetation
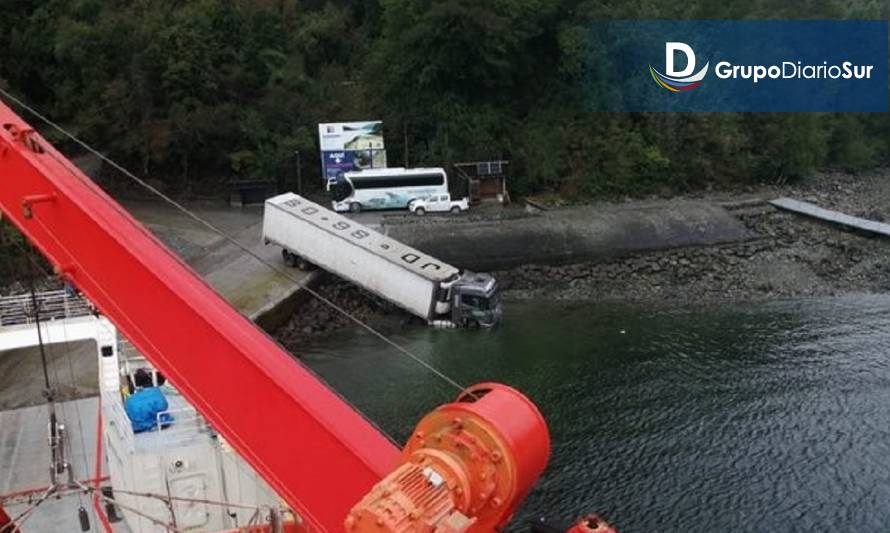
x,y
192,93
13,251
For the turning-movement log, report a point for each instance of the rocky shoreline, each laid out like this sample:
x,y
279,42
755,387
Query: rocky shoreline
x,y
787,256
315,318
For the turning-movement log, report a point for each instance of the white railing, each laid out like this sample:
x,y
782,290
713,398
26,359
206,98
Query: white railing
x,y
186,418
176,427
51,305
173,427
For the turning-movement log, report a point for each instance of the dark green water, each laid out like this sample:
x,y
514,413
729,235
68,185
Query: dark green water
x,y
757,417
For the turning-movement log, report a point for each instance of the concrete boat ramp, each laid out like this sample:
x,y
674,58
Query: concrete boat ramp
x,y
259,292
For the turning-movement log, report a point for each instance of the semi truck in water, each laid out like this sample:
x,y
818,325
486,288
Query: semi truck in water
x,y
310,235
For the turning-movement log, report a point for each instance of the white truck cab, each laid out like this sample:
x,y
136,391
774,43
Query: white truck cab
x,y
438,203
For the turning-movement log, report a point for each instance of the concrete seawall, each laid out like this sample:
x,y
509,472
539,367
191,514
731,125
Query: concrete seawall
x,y
569,235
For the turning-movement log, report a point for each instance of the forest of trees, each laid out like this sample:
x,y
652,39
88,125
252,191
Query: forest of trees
x,y
192,93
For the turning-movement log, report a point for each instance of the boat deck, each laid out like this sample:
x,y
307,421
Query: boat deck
x,y
25,459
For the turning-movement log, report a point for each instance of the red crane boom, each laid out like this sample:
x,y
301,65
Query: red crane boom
x,y
318,453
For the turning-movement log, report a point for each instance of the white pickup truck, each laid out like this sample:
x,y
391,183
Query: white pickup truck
x,y
439,203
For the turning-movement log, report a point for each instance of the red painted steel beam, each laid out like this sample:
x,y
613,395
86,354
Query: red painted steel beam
x,y
318,453
97,486
6,525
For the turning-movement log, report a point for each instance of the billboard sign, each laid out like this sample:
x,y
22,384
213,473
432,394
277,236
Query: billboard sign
x,y
347,146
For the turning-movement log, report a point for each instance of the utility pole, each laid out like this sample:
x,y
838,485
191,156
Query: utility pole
x,y
299,173
405,146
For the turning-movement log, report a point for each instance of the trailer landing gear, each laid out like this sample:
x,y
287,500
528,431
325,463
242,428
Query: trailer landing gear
x,y
294,260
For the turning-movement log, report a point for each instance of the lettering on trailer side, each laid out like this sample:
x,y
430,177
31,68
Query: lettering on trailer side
x,y
316,215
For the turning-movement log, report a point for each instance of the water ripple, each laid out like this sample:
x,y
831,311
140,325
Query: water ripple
x,y
761,417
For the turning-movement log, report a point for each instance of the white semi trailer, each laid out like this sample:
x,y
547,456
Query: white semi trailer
x,y
435,291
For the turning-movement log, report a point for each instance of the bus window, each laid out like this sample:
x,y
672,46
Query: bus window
x,y
387,182
341,189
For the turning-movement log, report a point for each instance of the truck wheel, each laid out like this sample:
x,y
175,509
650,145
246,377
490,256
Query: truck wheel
x,y
420,211
355,207
455,210
289,258
304,265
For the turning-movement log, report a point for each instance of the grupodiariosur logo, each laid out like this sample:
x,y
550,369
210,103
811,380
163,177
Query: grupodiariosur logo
x,y
682,80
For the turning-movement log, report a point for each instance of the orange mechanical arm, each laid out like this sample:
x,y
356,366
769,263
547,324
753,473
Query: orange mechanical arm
x,y
467,467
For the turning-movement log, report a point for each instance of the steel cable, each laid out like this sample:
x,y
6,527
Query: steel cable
x,y
370,329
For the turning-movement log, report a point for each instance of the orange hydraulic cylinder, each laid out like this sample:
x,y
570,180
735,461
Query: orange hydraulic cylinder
x,y
467,467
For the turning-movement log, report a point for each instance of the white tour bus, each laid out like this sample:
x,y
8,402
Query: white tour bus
x,y
386,188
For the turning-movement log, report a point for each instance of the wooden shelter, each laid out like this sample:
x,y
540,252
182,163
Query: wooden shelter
x,y
485,180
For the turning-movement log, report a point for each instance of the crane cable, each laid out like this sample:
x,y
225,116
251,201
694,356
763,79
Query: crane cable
x,y
48,346
16,523
81,489
75,400
362,324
